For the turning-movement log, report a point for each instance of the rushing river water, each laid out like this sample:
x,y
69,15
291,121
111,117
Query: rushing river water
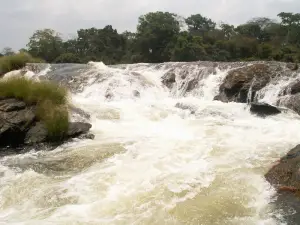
x,y
151,163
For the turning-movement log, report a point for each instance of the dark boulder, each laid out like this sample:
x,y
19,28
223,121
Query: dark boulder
x,y
264,109
285,175
236,85
15,120
169,79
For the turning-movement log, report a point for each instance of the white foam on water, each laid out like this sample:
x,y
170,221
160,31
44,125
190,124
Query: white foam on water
x,y
151,162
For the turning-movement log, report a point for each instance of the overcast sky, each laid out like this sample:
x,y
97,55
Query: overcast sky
x,y
20,18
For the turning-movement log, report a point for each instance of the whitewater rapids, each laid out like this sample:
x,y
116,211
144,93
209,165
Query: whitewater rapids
x,y
151,163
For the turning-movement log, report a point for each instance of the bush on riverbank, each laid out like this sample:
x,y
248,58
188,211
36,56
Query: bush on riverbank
x,y
15,62
51,101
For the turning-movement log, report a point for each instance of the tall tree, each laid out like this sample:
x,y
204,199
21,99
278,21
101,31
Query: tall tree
x,y
188,48
7,51
46,44
198,24
156,33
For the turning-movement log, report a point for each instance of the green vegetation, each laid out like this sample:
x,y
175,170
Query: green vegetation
x,y
12,61
51,101
165,36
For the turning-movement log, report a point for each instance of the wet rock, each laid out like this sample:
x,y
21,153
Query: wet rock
x,y
87,136
36,134
292,88
78,128
169,79
264,109
11,104
291,101
292,66
80,112
192,84
184,74
136,93
285,175
109,95
237,83
184,106
15,120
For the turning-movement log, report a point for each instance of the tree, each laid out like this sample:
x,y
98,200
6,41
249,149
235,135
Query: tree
x,y
188,48
46,44
7,51
100,44
250,30
291,22
265,51
197,24
155,33
228,30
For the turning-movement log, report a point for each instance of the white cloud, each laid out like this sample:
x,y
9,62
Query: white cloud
x,y
20,18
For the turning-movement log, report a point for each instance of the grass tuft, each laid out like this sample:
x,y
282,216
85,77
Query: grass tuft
x,y
15,62
51,101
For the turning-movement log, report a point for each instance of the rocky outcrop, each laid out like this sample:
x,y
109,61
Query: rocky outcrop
x,y
19,125
264,109
285,175
169,79
236,85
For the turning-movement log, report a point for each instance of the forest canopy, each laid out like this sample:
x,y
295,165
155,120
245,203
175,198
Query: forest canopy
x,y
162,37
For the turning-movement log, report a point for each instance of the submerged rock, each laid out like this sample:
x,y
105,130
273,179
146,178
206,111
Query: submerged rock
x,y
184,106
136,93
264,109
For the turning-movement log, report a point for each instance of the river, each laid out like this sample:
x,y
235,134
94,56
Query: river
x,y
151,163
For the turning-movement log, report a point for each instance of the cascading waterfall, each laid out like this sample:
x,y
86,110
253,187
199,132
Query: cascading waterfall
x,y
151,162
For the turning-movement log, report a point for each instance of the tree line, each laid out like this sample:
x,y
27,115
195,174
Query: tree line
x,y
164,36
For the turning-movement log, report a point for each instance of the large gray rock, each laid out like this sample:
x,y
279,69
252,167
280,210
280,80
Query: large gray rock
x,y
238,82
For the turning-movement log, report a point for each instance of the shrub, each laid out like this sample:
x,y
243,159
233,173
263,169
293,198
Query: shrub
x,y
15,62
51,101
67,58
